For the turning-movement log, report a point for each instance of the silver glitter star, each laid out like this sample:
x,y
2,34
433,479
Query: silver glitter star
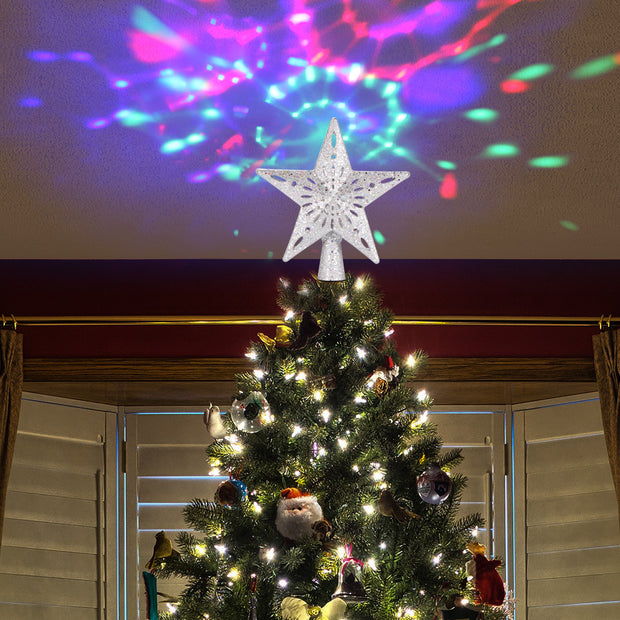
x,y
332,200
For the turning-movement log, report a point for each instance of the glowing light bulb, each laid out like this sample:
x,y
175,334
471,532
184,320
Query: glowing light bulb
x,y
289,315
221,549
356,468
270,554
360,400
318,395
322,452
474,532
422,395
259,374
296,431
464,601
289,376
377,476
361,353
342,443
283,583
371,563
368,509
436,559
214,471
301,376
341,552
233,574
257,507
388,333
252,354
383,546
200,550
326,414
343,300
171,608
411,361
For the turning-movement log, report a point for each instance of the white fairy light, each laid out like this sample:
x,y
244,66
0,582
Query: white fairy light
x,y
200,550
322,452
342,443
382,546
257,507
341,552
221,549
283,583
359,284
270,554
388,332
360,400
252,354
368,322
422,395
377,476
289,315
361,353
368,509
214,471
436,559
474,532
284,283
326,414
301,376
372,564
464,601
296,473
289,376
233,574
318,395
356,468
411,361
296,431
171,608
303,291
343,300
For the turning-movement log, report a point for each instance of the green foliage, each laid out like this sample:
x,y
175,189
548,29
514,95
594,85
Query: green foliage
x,y
338,438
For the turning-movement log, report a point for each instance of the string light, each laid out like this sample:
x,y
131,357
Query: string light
x,y
342,443
326,414
289,376
283,583
171,608
257,507
422,395
318,395
388,333
411,361
437,559
200,550
296,431
301,376
259,374
233,574
214,471
252,354
361,353
359,284
343,300
371,563
383,546
289,315
270,554
360,400
221,549
368,509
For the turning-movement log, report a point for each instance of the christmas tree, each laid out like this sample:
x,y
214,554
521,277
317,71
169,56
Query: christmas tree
x,y
338,484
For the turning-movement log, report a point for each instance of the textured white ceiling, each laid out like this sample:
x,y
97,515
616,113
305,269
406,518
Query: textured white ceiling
x,y
69,189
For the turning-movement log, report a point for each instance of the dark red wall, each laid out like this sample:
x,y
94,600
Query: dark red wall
x,y
247,287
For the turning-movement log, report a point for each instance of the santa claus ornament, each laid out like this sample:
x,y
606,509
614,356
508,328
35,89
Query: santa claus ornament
x,y
489,585
298,514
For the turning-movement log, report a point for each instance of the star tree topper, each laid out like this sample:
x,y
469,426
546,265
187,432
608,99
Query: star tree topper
x,y
332,200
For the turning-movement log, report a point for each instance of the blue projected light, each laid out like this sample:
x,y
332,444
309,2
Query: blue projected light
x,y
220,89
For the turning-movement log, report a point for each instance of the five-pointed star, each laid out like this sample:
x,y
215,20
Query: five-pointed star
x,y
332,197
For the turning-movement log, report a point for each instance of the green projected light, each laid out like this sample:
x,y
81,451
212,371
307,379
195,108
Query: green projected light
x,y
549,161
533,72
501,150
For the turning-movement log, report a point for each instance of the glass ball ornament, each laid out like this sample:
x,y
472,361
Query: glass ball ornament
x,y
434,485
251,413
231,492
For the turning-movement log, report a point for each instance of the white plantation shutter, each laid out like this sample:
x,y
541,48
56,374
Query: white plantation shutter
x,y
53,561
480,436
570,521
166,452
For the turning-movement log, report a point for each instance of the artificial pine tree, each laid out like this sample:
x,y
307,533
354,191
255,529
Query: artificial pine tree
x,y
337,424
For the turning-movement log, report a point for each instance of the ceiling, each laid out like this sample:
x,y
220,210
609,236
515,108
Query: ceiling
x,y
133,130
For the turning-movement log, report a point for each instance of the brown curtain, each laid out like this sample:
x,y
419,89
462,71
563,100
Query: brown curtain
x,y
607,366
11,379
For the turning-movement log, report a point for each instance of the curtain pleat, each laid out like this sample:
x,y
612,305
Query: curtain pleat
x,y
607,366
11,380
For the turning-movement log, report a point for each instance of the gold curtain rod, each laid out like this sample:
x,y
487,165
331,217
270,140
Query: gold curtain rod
x,y
515,321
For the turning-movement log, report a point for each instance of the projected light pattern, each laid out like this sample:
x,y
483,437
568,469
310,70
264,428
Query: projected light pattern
x,y
223,94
